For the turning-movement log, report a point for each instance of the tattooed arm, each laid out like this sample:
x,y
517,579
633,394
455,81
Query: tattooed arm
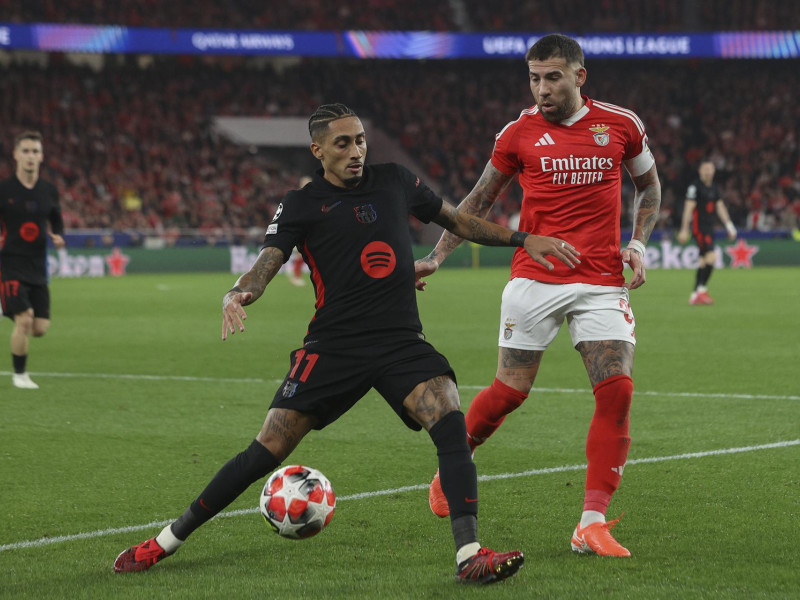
x,y
249,288
478,202
646,206
463,225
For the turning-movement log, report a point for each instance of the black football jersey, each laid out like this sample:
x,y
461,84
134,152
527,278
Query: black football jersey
x,y
357,244
706,197
24,216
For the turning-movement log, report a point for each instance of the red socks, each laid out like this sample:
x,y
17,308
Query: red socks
x,y
297,266
608,441
606,445
489,409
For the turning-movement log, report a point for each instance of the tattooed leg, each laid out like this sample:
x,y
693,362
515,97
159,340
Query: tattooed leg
x,y
606,358
283,429
518,368
431,400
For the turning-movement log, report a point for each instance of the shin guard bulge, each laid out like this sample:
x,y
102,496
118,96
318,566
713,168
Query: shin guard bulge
x,y
608,441
489,409
231,480
457,472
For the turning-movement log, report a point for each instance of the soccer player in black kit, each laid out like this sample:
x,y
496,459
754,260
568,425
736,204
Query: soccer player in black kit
x,y
703,199
351,225
28,204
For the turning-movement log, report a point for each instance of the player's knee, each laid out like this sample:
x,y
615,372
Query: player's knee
x,y
432,400
283,430
613,396
510,395
24,323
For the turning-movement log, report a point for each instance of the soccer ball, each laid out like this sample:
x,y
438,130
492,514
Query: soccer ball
x,y
297,502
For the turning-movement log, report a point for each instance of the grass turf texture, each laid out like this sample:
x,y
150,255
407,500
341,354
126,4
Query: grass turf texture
x,y
140,404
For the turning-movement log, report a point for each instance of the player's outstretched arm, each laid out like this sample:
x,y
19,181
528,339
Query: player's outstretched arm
x,y
478,202
249,288
646,207
486,233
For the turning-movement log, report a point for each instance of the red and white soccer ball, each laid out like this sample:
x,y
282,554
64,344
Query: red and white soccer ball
x,y
297,502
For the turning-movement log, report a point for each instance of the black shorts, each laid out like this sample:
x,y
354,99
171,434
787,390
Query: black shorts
x,y
705,241
18,296
328,384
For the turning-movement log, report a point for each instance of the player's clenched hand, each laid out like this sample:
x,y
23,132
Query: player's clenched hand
x,y
422,268
233,314
539,246
635,262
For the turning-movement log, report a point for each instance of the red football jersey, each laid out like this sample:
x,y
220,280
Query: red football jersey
x,y
571,177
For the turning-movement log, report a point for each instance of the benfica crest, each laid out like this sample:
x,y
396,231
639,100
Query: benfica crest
x,y
601,138
509,330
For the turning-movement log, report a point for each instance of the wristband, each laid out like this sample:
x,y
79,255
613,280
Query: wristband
x,y
730,227
636,246
235,288
518,238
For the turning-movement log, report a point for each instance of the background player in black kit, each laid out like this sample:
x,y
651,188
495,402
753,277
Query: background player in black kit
x,y
702,201
351,225
28,205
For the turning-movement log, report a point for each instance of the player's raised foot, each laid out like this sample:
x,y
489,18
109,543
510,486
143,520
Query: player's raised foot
x,y
436,498
597,539
488,566
140,557
23,381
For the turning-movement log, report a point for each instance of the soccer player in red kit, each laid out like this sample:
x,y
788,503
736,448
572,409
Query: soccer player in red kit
x,y
569,152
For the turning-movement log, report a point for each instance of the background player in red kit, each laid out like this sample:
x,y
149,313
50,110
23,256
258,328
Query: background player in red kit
x,y
568,151
28,204
294,266
703,199
351,224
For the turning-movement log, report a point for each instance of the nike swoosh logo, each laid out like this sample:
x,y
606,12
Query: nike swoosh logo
x,y
330,207
470,499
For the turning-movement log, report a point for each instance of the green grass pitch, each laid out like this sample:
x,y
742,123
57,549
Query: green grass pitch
x,y
141,402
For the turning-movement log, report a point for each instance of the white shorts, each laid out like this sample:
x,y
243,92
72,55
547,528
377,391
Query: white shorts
x,y
532,313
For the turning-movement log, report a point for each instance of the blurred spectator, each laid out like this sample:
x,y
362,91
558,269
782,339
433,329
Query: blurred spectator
x,y
576,16
133,147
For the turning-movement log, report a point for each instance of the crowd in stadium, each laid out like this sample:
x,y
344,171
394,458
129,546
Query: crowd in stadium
x,y
131,145
576,16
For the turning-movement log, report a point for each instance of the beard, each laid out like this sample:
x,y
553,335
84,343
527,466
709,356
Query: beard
x,y
353,181
562,112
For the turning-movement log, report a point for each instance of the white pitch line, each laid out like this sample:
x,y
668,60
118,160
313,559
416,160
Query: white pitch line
x,y
409,488
132,376
147,377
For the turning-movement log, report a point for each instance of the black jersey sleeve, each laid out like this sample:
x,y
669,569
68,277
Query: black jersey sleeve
x,y
287,229
423,202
